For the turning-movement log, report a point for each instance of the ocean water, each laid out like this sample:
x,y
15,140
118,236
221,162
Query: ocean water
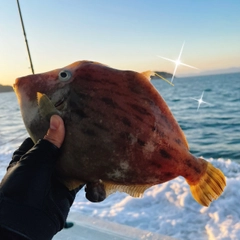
x,y
212,131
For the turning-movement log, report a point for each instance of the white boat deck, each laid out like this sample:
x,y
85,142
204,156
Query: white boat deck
x,y
88,228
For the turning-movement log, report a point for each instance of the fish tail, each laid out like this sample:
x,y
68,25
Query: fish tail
x,y
209,187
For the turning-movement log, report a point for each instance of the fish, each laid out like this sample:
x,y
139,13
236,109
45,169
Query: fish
x,y
120,132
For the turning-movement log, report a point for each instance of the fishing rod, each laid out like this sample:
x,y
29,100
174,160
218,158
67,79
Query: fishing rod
x,y
25,36
31,64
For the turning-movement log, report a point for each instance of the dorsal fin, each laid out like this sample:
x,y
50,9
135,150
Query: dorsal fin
x,y
148,74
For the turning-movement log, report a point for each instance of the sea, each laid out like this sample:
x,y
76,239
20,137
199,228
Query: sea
x,y
208,110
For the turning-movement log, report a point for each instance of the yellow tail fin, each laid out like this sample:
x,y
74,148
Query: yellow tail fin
x,y
209,187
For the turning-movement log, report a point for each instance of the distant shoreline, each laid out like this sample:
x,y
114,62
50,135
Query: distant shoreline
x,y
162,74
5,88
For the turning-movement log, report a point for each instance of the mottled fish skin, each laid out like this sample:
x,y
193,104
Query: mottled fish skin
x,y
125,123
118,127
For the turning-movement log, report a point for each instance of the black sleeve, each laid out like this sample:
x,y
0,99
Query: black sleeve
x,y
6,234
32,200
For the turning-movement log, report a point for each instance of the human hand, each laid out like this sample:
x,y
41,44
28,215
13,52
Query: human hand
x,y
55,135
33,202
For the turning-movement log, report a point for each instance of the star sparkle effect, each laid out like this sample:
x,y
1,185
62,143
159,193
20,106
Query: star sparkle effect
x,y
200,101
177,62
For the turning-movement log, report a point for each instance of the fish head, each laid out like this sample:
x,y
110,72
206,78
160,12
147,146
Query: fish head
x,y
57,85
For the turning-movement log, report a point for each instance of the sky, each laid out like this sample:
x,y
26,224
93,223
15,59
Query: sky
x,y
123,34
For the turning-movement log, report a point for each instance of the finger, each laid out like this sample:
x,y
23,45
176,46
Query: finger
x,y
56,131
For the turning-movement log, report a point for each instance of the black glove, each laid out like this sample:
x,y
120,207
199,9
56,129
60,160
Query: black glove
x,y
33,202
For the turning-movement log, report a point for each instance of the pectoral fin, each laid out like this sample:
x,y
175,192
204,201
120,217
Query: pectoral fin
x,y
46,107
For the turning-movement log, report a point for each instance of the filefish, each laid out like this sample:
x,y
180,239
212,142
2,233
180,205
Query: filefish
x,y
119,130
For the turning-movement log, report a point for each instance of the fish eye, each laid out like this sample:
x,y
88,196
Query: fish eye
x,y
64,75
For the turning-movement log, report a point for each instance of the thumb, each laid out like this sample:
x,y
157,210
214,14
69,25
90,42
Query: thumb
x,y
56,131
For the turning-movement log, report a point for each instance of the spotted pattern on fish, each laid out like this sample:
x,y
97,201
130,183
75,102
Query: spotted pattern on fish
x,y
126,122
141,142
165,154
110,102
139,109
118,129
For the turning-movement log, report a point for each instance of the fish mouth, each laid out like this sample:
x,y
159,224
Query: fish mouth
x,y
59,103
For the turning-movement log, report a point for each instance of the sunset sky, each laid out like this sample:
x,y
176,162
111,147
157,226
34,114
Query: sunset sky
x,y
124,34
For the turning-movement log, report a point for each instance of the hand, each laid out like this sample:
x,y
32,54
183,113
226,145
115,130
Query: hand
x,y
55,135
33,202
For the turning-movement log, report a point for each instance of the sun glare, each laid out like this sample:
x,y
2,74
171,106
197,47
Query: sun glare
x,y
177,62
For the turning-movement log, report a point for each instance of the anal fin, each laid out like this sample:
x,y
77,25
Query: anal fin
x,y
132,190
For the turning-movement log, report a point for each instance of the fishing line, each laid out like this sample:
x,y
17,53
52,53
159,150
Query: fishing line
x,y
164,79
